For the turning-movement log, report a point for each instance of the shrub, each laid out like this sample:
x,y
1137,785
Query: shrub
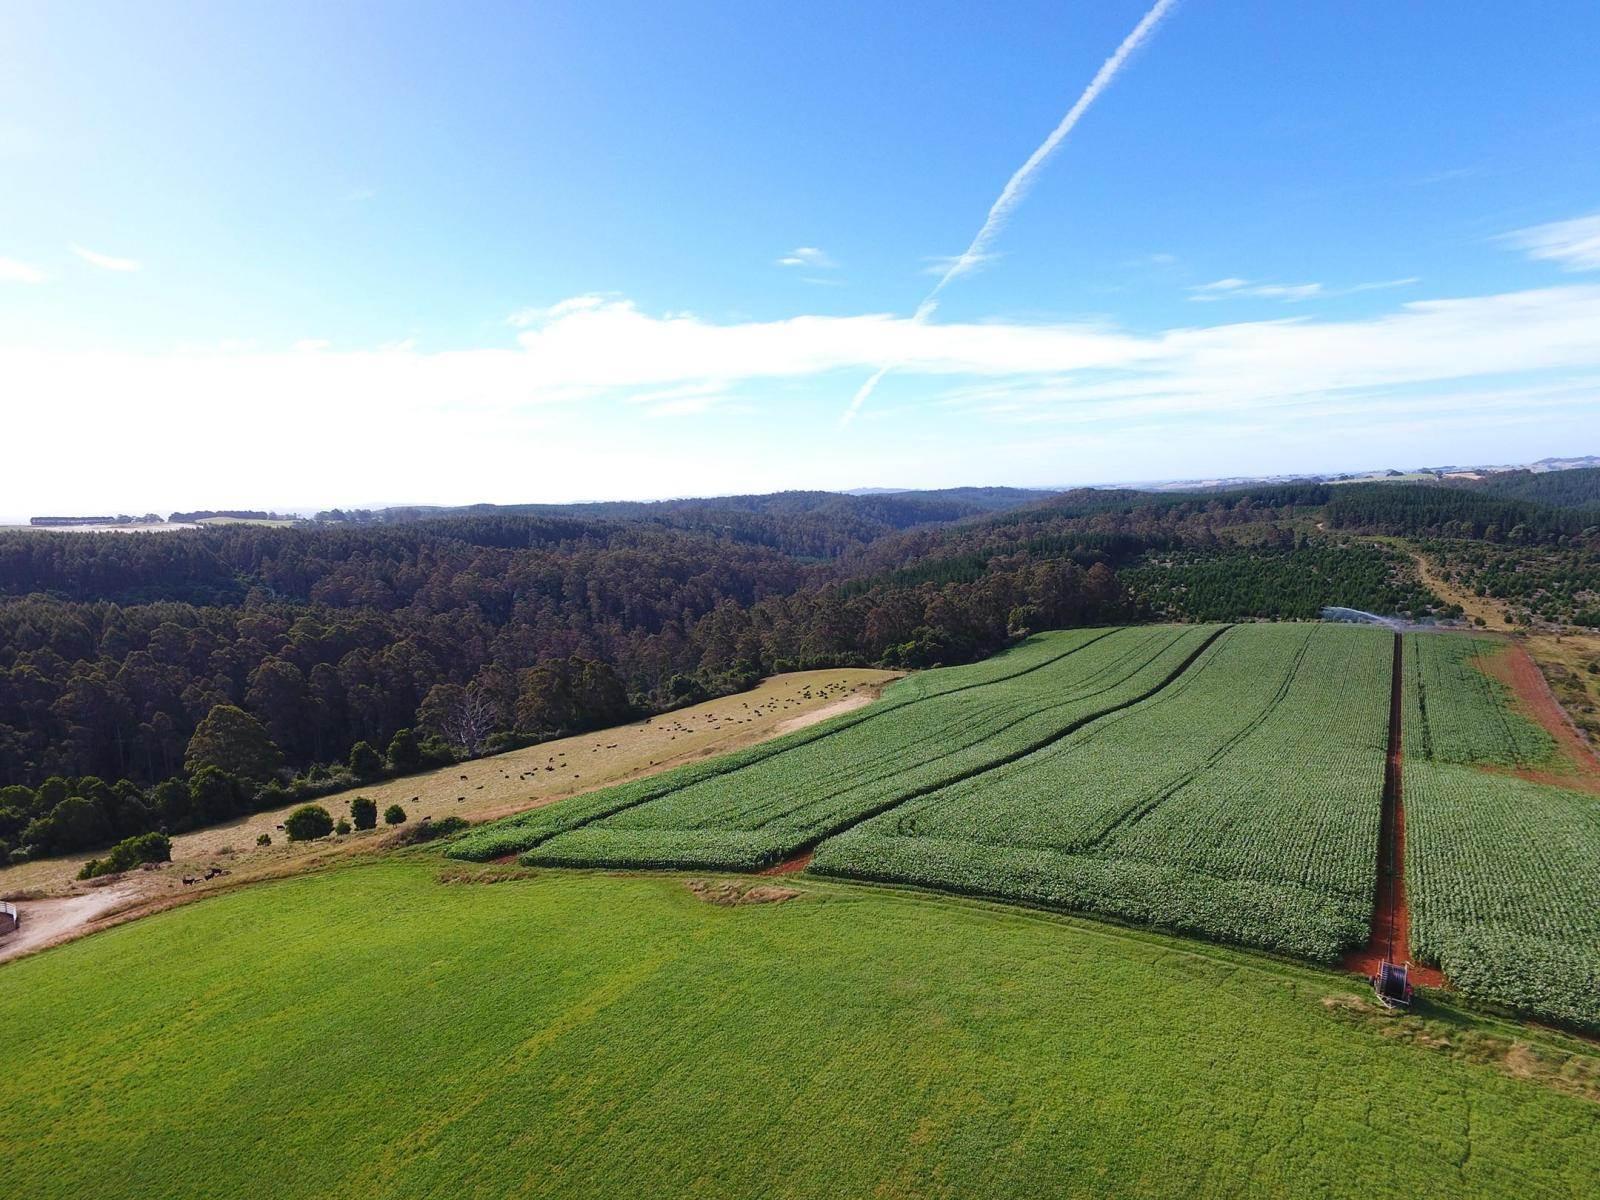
x,y
365,762
364,812
264,840
427,831
129,853
342,828
404,752
394,815
307,823
271,795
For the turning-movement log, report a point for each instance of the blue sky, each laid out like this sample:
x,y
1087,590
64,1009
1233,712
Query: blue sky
x,y
307,254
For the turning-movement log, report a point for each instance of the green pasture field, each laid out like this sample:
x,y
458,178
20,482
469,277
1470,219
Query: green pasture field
x,y
372,1031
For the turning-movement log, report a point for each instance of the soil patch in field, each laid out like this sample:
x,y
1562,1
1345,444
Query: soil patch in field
x,y
833,709
1576,766
790,866
55,919
730,891
1555,1064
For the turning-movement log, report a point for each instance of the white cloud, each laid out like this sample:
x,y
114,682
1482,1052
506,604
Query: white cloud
x,y
12,271
592,348
808,256
1575,244
561,411
105,262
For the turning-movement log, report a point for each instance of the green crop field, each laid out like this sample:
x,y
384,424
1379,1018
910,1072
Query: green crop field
x,y
1223,782
1503,873
1241,802
753,809
371,1031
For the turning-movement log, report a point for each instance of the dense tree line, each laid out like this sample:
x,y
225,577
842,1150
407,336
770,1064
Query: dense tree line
x,y
1282,579
1449,512
479,632
165,681
1577,488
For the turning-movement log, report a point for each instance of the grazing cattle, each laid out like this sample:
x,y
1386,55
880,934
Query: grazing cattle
x,y
188,879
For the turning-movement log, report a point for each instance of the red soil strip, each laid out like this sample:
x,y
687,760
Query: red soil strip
x,y
1390,938
1514,668
789,866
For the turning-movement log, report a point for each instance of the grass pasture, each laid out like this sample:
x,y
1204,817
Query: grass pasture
x,y
485,788
372,1031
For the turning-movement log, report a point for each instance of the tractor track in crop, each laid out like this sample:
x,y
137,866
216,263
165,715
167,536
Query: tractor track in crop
x,y
1390,937
869,714
1135,815
1007,759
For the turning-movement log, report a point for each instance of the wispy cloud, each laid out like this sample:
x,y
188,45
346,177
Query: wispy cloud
x,y
12,271
524,317
808,256
105,262
1575,244
1017,187
940,265
1234,288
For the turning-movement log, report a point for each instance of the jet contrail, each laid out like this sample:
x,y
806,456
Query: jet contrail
x,y
1017,186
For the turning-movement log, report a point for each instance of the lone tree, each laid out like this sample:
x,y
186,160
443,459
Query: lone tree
x,y
394,815
364,812
463,716
307,823
233,741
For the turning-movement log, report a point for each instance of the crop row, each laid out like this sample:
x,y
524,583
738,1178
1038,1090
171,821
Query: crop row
x,y
1502,873
1240,803
1456,713
784,802
525,830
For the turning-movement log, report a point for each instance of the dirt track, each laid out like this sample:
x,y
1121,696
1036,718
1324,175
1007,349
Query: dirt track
x,y
1578,767
46,922
1390,938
